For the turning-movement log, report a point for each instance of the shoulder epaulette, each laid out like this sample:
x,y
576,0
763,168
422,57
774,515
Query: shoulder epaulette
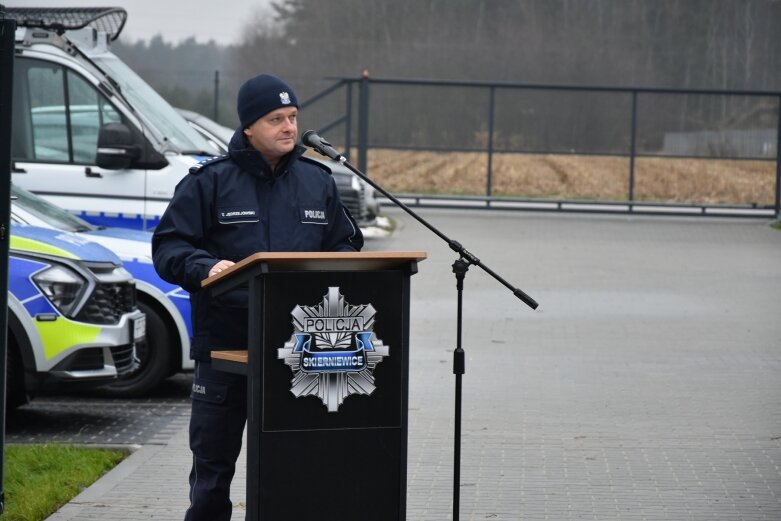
x,y
209,161
321,164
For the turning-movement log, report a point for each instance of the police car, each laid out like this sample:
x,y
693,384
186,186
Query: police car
x,y
72,313
166,306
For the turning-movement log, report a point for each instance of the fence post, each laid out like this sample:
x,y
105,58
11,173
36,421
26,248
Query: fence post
x,y
778,164
348,121
632,150
216,95
491,112
363,122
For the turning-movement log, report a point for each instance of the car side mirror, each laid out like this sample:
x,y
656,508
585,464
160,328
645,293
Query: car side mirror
x,y
116,147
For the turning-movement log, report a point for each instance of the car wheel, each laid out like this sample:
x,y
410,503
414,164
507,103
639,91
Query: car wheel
x,y
153,355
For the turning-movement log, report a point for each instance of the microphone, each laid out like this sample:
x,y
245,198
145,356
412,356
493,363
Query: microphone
x,y
311,139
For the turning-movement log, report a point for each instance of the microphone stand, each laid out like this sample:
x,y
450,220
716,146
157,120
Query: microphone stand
x,y
460,267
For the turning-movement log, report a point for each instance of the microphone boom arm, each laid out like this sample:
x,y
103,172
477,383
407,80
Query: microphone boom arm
x,y
311,139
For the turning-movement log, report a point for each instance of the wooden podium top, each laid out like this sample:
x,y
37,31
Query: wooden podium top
x,y
240,356
324,261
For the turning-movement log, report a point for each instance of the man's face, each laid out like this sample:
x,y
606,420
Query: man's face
x,y
274,135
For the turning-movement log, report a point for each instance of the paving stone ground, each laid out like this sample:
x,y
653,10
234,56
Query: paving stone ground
x,y
63,416
647,386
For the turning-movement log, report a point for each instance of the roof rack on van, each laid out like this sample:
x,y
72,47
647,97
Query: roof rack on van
x,y
110,20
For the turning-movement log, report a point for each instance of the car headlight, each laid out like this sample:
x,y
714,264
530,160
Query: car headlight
x,y
62,286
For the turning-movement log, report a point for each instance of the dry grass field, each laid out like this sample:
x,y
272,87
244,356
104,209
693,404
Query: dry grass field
x,y
698,181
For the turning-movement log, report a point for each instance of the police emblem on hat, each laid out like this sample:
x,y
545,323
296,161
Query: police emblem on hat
x,y
284,98
333,350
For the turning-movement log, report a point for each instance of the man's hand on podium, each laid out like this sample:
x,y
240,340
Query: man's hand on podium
x,y
221,265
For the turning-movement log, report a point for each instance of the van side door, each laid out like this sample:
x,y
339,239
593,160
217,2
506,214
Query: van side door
x,y
57,117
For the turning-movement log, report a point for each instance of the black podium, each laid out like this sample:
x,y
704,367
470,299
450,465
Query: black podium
x,y
327,364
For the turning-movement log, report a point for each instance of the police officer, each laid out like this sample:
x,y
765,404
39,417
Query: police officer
x,y
264,195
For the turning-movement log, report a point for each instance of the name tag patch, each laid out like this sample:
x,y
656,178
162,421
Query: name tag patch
x,y
313,216
237,215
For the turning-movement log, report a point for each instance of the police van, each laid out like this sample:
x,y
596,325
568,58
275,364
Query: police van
x,y
88,133
92,137
72,313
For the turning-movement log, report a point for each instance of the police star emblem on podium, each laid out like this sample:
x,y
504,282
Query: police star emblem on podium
x,y
333,351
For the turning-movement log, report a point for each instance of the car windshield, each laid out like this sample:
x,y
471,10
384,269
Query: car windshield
x,y
55,216
164,118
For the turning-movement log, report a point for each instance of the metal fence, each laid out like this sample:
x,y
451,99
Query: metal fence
x,y
705,152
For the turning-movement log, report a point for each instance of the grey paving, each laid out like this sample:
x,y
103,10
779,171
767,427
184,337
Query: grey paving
x,y
85,419
647,386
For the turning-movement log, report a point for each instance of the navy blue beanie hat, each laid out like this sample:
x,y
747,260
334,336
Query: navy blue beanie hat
x,y
262,94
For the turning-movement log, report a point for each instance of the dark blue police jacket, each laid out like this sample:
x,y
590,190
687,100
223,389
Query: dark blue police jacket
x,y
232,206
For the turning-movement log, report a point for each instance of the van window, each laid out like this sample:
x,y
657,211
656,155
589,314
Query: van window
x,y
177,133
56,114
47,100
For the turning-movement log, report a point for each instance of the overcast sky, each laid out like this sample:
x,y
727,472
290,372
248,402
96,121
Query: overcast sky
x,y
177,20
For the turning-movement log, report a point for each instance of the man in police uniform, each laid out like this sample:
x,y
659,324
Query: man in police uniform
x,y
262,196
